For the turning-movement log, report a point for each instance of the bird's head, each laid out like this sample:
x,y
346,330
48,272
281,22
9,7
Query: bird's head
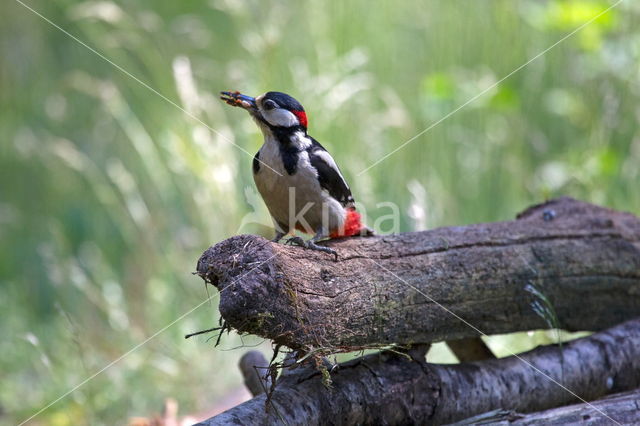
x,y
272,110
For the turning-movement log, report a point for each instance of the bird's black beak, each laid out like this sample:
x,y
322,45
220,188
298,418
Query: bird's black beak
x,y
237,99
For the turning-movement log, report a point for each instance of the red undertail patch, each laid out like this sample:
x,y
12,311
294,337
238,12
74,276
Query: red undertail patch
x,y
352,225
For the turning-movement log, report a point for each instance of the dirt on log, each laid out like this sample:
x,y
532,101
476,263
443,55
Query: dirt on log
x,y
386,388
421,287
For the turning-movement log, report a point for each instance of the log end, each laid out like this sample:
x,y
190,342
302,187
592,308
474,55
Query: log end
x,y
244,268
234,257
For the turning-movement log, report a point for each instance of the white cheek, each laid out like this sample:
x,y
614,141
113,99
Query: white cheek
x,y
280,117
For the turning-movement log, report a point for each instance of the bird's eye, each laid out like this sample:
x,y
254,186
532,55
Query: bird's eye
x,y
269,105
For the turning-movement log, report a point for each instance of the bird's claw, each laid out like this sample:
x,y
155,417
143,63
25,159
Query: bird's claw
x,y
296,241
314,246
311,246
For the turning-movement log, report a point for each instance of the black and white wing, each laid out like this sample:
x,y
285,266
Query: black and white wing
x,y
329,174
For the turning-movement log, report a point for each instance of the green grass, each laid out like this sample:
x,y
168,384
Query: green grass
x,y
108,193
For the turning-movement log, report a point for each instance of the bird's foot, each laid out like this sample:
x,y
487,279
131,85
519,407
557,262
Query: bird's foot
x,y
311,245
297,241
278,237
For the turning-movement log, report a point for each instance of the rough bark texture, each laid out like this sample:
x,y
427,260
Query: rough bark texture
x,y
585,259
389,389
623,407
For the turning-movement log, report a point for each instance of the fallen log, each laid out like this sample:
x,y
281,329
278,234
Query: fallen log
x,y
387,388
624,407
444,284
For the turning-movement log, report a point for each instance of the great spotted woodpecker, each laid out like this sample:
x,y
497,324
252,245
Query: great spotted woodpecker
x,y
297,178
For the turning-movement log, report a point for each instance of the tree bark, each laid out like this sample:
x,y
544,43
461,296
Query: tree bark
x,y
387,388
444,284
623,407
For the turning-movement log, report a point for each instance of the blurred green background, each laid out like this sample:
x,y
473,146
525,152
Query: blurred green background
x,y
109,194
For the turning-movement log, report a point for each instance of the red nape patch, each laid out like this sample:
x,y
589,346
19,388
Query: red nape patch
x,y
302,117
352,225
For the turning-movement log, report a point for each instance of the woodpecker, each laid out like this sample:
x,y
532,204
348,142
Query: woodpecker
x,y
297,178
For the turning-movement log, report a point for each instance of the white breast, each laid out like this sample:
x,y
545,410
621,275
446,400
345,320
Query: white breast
x,y
288,195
